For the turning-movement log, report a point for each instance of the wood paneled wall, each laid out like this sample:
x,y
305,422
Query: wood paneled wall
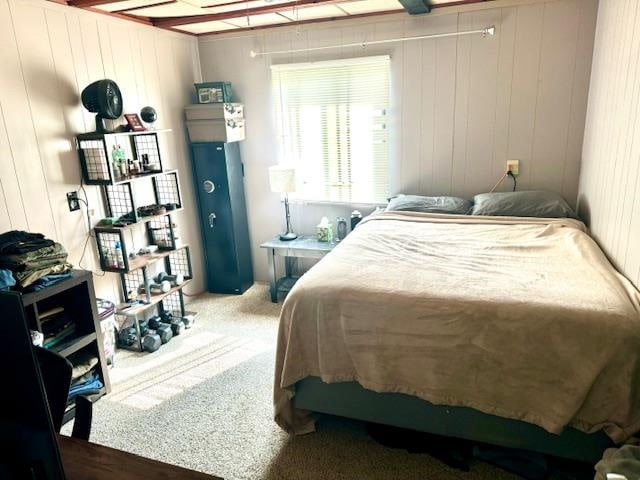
x,y
460,106
48,54
609,196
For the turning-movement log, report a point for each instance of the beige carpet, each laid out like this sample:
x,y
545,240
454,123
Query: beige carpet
x,y
203,401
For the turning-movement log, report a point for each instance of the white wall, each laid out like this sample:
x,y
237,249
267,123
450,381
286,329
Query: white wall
x,y
609,189
48,54
460,106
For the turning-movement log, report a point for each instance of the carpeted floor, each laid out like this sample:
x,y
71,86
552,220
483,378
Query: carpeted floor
x,y
203,401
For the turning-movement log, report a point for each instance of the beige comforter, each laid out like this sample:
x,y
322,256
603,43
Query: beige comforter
x,y
521,318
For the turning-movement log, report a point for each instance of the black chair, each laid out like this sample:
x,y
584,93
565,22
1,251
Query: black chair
x,y
56,376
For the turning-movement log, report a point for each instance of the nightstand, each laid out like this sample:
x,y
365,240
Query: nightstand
x,y
301,247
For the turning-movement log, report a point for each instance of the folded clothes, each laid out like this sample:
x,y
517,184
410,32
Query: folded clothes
x,y
82,362
30,257
88,391
90,387
54,325
6,279
26,278
34,260
47,281
60,336
16,242
87,377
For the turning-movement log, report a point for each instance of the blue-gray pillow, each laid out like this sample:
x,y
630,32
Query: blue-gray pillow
x,y
418,203
522,204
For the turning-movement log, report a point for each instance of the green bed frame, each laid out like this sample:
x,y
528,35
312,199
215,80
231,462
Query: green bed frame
x,y
349,399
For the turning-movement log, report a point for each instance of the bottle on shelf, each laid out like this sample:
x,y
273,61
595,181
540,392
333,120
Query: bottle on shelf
x,y
118,257
108,257
115,161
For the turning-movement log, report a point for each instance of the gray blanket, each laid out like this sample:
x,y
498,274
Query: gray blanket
x,y
523,318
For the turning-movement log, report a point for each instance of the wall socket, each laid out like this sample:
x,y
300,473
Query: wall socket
x,y
72,201
513,166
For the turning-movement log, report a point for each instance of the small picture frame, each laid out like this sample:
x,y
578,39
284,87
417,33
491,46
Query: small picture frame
x,y
134,122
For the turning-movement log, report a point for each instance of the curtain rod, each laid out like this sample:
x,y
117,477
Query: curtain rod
x,y
484,31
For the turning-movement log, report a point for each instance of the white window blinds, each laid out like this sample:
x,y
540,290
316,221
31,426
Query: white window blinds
x,y
332,122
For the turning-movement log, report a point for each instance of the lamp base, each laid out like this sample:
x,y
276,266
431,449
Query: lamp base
x,y
288,236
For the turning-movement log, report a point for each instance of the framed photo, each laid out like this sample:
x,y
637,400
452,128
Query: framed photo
x,y
134,122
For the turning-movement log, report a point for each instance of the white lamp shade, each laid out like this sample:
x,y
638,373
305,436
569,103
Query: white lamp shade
x,y
282,179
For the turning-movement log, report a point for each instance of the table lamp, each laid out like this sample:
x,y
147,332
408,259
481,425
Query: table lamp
x,y
283,180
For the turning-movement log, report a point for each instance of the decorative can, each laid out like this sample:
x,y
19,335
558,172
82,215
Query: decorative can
x,y
356,216
342,228
324,230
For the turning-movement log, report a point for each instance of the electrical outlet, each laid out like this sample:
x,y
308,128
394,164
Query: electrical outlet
x,y
72,201
513,166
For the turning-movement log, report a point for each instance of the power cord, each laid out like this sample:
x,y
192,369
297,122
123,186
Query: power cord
x,y
507,173
513,177
89,229
498,183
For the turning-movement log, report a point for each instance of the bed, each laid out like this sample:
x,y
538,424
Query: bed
x,y
505,330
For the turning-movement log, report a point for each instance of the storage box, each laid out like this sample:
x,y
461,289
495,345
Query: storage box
x,y
213,92
215,130
215,111
106,310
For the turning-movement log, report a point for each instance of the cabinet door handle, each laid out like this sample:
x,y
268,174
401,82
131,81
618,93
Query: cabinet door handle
x,y
212,219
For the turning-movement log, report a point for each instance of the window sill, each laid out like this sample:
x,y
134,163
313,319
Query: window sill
x,y
329,203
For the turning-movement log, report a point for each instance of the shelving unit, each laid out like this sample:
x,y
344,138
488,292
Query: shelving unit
x,y
74,345
132,311
175,262
120,202
75,298
95,150
117,255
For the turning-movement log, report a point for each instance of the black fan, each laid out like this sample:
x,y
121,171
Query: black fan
x,y
105,100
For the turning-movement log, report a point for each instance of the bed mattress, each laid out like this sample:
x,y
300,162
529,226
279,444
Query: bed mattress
x,y
523,318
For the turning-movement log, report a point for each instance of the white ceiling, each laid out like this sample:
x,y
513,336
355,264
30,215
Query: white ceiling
x,y
229,15
289,13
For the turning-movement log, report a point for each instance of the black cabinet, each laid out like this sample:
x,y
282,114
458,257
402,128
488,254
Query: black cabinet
x,y
219,181
75,300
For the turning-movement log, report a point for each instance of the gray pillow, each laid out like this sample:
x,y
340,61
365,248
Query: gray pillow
x,y
417,203
522,204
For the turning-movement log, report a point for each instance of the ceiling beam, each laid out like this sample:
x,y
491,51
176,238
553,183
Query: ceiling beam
x,y
212,17
457,3
91,3
124,16
303,22
142,7
226,4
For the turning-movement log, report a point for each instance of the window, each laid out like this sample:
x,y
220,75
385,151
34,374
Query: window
x,y
332,122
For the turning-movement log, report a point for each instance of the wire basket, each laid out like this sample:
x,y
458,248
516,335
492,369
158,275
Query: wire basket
x,y
160,233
